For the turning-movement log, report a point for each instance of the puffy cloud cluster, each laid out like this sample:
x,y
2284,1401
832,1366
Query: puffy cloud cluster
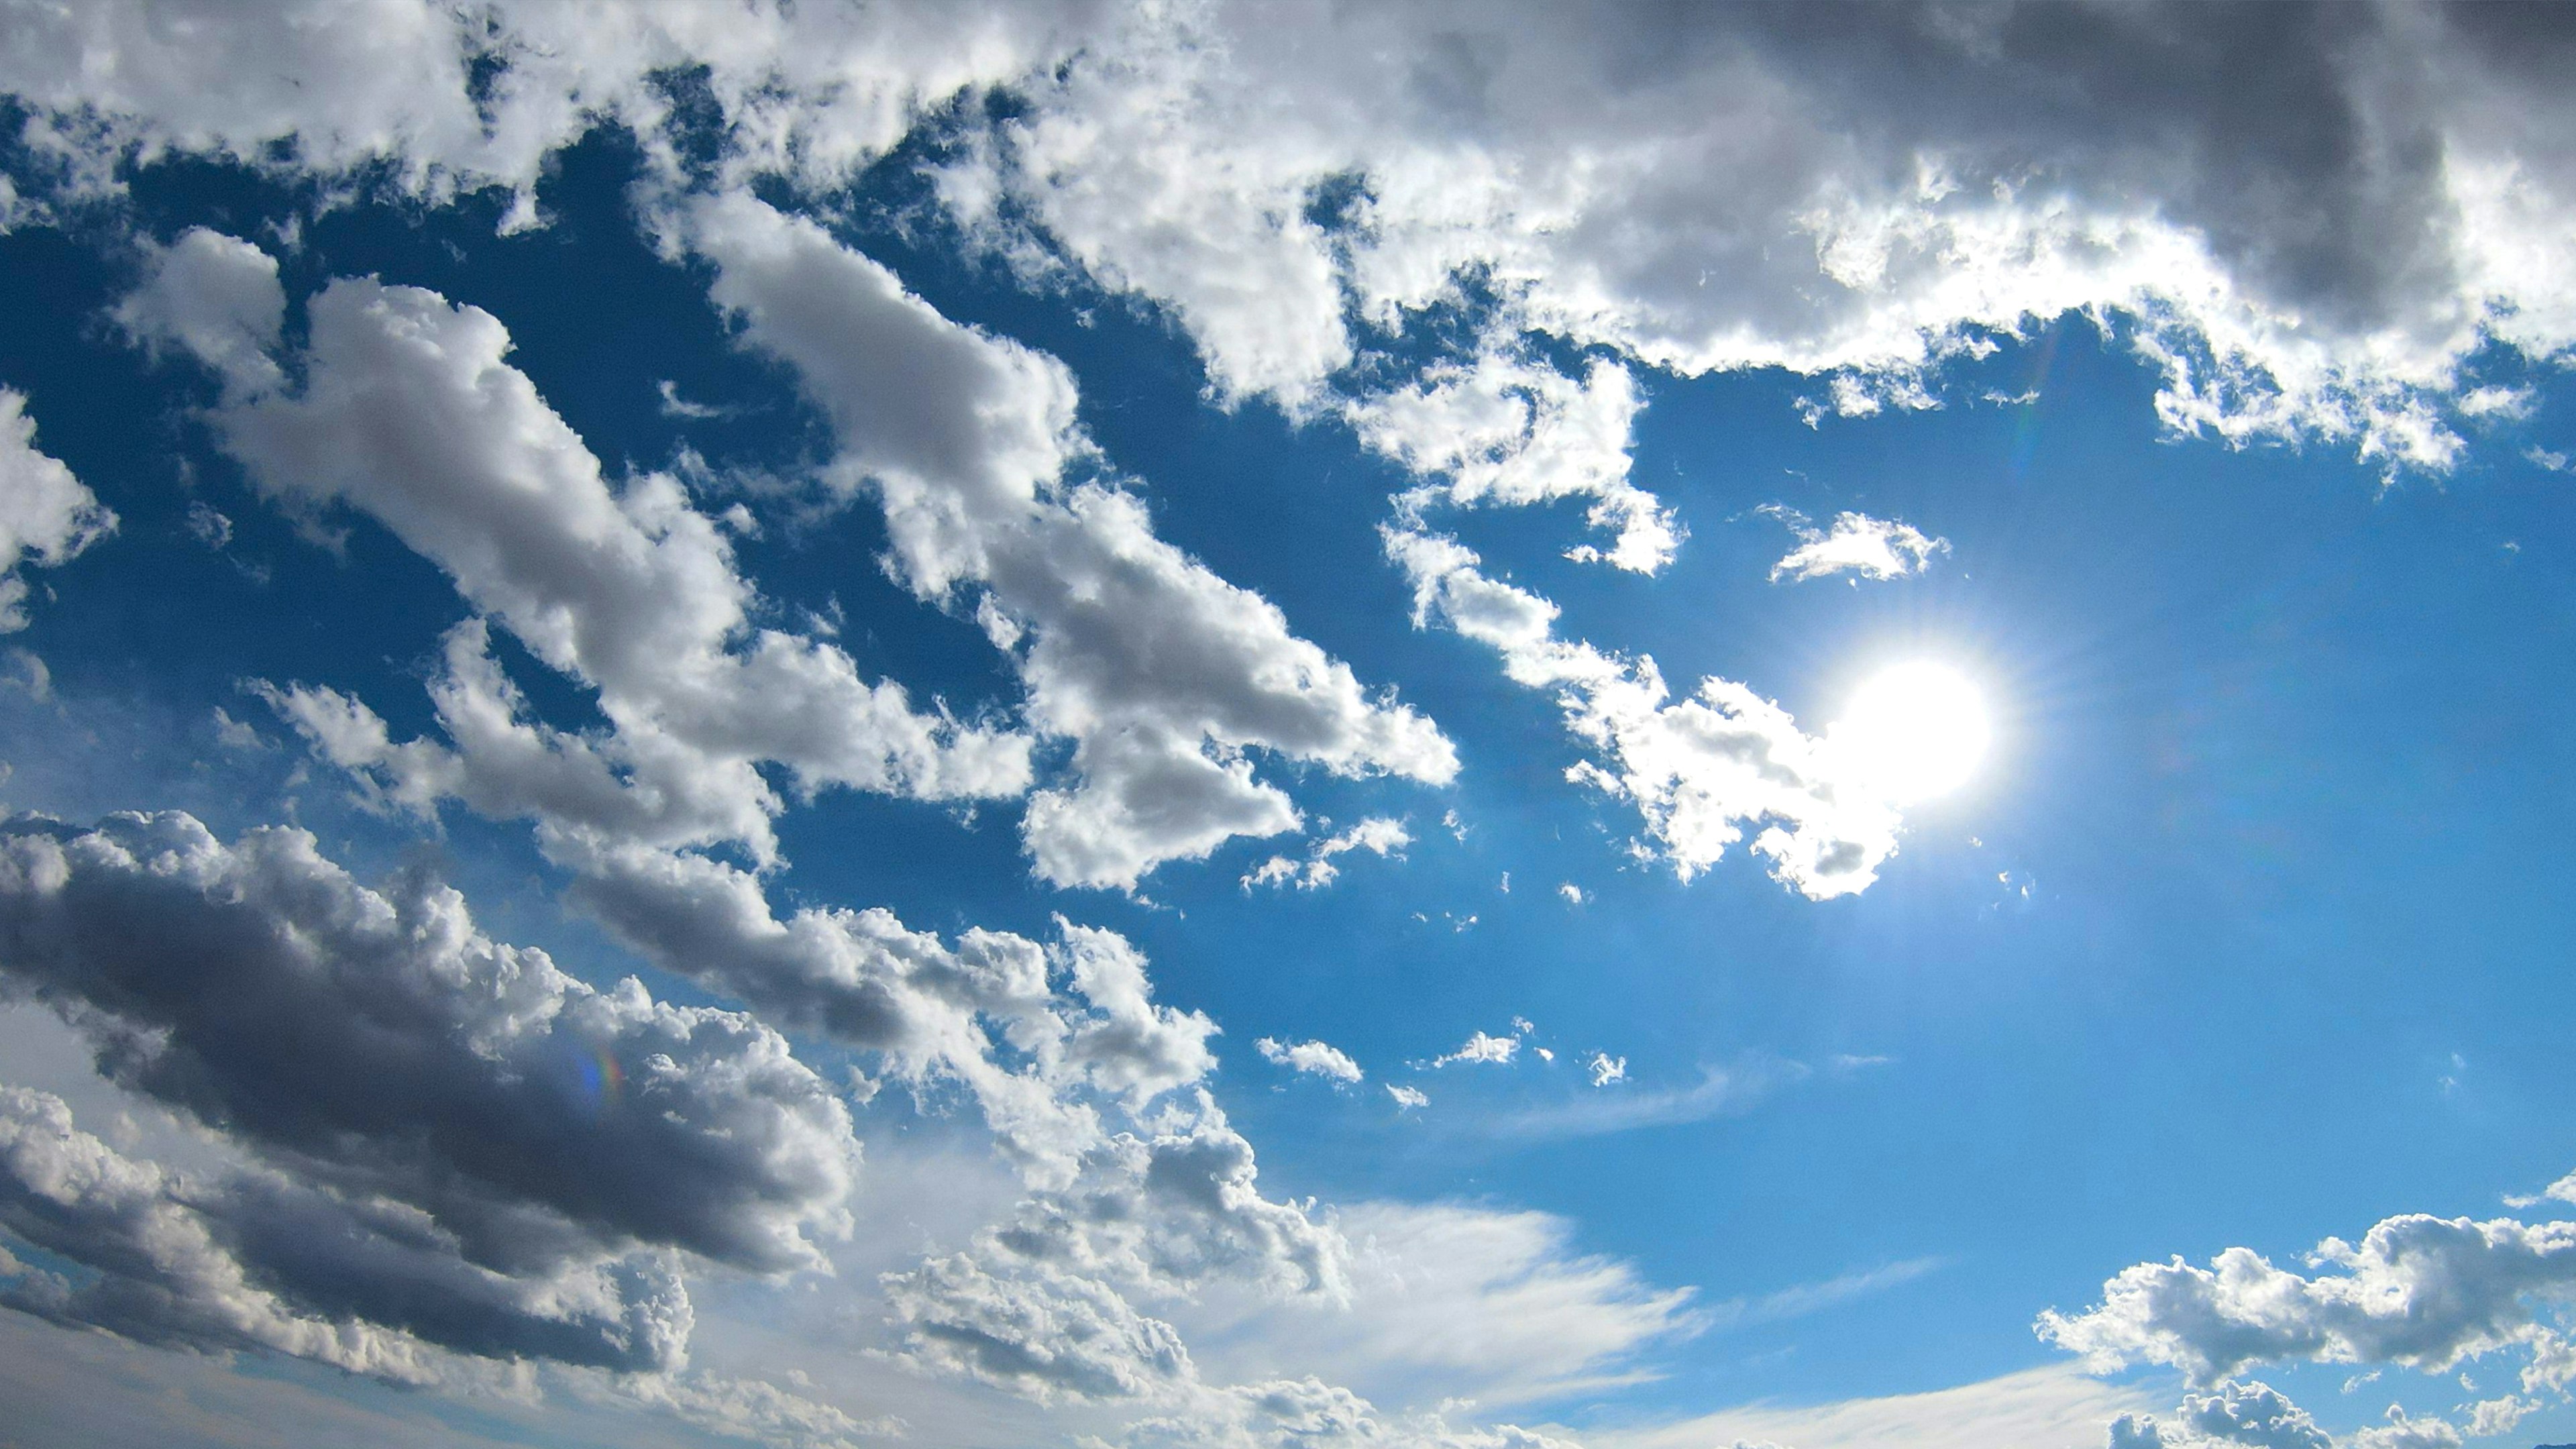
x,y
1873,548
2417,1290
1162,675
47,516
1700,770
450,1142
1045,1304
1378,835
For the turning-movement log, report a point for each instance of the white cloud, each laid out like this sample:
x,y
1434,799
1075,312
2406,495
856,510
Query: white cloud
x,y
1505,430
1162,674
1408,1098
2044,1408
47,516
1571,893
408,412
2420,1291
1698,771
1873,548
1377,835
1311,1057
1605,1069
1497,1050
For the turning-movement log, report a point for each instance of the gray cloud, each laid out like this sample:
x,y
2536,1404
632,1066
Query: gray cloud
x,y
378,1043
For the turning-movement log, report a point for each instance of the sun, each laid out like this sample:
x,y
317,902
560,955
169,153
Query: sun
x,y
1911,732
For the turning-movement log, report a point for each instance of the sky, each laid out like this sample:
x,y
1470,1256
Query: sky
x,y
1286,726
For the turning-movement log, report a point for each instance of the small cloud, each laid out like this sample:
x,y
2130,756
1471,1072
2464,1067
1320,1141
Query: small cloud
x,y
1408,1098
208,525
2004,399
1857,544
1377,835
1450,822
1852,1062
676,406
1573,893
2553,461
1309,1057
27,674
232,734
1507,883
1481,1047
1606,1069
2513,403
1544,1054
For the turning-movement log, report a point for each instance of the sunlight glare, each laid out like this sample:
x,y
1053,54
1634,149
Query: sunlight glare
x,y
1912,731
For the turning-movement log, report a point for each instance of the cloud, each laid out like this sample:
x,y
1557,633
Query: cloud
x,y
47,516
1606,1069
408,412
377,1044
1698,771
2044,1408
1858,544
1044,1305
1506,430
1377,835
2420,1291
1408,1098
2256,1416
1863,196
1162,675
1498,1050
1309,1057
1718,1093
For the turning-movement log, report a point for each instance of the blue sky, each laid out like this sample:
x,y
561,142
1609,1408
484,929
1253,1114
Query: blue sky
x,y
1146,726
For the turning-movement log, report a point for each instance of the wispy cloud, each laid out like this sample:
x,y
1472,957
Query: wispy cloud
x,y
1720,1092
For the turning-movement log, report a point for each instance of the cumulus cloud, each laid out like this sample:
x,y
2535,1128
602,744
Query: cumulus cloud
x,y
1377,835
1874,548
1045,1304
1606,1069
1698,771
1408,1098
2420,1291
47,516
1311,1057
1162,675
